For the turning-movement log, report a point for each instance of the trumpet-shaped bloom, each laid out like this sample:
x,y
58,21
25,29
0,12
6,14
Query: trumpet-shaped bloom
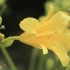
x,y
67,31
47,34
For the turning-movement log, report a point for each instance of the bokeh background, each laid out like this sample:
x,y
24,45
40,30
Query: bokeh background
x,y
21,54
16,11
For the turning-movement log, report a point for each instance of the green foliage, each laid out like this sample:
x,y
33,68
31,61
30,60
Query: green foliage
x,y
59,5
7,43
43,63
65,4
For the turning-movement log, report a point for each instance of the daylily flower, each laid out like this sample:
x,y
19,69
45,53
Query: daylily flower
x,y
47,34
67,31
41,18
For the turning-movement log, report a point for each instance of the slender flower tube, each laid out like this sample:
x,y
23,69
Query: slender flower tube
x,y
47,34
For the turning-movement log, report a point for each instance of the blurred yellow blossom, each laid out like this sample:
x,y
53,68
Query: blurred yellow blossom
x,y
2,36
2,2
47,34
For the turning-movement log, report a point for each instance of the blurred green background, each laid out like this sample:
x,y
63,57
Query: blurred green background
x,y
15,11
26,57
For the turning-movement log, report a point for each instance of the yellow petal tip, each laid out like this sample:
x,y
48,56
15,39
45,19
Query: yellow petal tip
x,y
45,51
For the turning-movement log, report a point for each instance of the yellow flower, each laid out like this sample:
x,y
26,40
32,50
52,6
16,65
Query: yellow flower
x,y
47,34
67,31
41,18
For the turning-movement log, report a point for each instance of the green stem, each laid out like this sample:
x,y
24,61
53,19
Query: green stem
x,y
33,59
41,62
11,38
8,58
4,6
6,54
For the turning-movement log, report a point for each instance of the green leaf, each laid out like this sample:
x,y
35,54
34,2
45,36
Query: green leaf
x,y
9,40
8,43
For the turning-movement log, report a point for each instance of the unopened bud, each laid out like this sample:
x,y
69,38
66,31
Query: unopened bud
x,y
0,20
2,27
2,36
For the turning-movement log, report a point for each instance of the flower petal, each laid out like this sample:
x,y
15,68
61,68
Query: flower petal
x,y
67,46
61,52
56,23
26,36
44,39
45,51
29,25
49,14
32,44
62,38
